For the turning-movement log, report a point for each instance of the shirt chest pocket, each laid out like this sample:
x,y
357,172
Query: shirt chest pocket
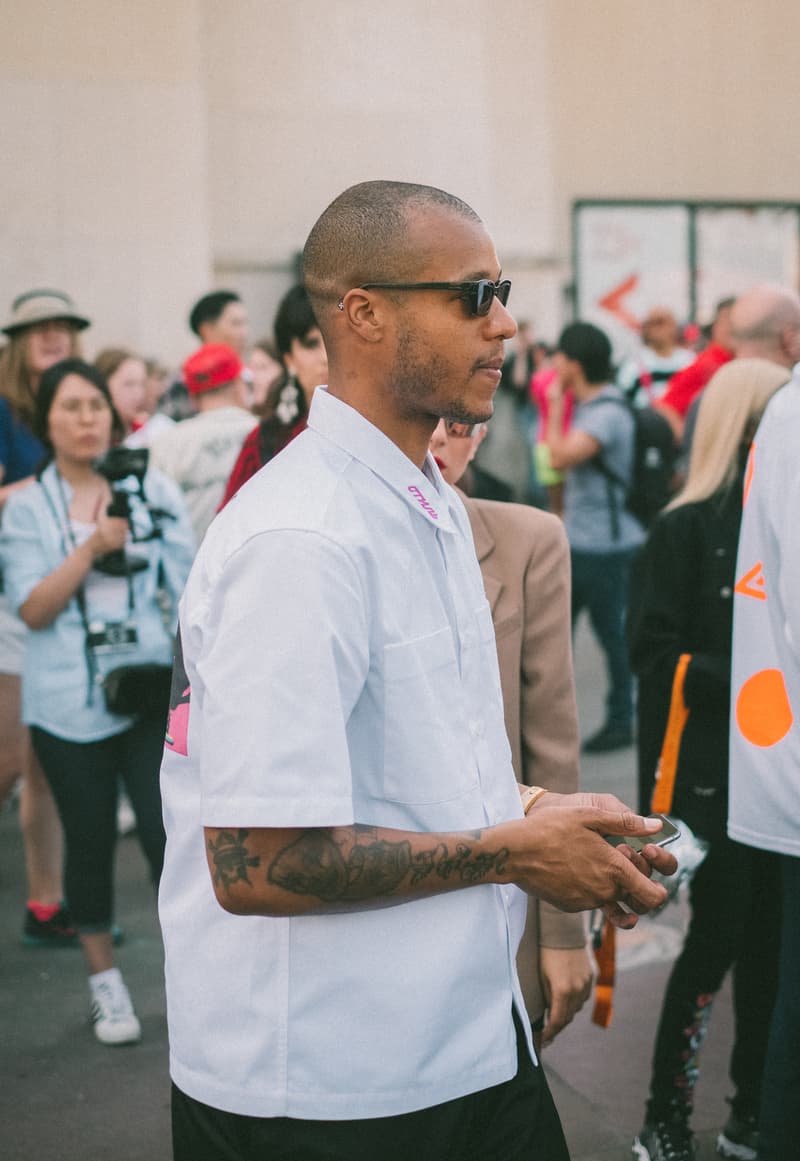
x,y
427,756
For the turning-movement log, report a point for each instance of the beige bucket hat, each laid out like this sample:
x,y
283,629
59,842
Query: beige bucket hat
x,y
37,306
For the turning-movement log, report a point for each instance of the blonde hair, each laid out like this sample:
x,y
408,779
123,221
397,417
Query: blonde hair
x,y
17,386
730,409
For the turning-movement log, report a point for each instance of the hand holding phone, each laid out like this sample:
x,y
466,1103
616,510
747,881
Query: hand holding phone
x,y
668,833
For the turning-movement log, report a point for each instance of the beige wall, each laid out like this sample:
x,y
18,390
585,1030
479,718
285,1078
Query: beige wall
x,y
104,188
331,94
692,99
154,148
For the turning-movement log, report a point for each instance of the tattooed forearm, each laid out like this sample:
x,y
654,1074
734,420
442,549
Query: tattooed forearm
x,y
230,858
361,865
315,865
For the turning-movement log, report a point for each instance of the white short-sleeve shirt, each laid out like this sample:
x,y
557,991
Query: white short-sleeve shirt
x,y
340,667
764,809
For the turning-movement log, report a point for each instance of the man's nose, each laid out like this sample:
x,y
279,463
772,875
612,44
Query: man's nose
x,y
501,321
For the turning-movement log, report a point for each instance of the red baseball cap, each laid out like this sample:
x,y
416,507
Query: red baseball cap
x,y
213,365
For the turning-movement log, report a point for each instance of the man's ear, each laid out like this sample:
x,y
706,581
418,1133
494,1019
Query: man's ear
x,y
366,314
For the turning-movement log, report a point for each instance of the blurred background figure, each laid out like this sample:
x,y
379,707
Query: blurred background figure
x,y
682,604
643,376
501,469
220,317
524,559
266,371
603,535
42,329
764,323
92,618
126,375
684,387
301,347
200,452
548,479
132,395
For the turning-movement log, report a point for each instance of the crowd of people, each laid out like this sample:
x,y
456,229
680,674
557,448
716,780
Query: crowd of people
x,y
372,698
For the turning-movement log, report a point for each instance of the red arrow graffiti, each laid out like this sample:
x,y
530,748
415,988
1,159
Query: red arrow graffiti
x,y
613,302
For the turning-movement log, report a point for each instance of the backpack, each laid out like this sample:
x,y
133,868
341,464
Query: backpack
x,y
654,455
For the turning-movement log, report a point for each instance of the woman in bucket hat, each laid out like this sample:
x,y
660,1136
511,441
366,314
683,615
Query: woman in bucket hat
x,y
42,329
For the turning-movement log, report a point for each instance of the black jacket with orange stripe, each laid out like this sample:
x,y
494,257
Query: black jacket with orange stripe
x,y
682,602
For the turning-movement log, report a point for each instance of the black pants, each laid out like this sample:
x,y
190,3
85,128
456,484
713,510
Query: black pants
x,y
735,899
515,1121
84,779
600,585
780,1099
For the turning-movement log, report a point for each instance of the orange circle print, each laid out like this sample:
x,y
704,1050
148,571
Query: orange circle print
x,y
763,713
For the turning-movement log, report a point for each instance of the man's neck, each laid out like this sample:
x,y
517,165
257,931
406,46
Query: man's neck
x,y
411,434
585,391
217,399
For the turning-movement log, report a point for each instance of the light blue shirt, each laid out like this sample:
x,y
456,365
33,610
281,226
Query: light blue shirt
x,y
58,693
341,658
588,517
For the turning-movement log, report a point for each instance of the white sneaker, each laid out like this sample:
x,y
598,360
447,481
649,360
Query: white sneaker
x,y
111,1009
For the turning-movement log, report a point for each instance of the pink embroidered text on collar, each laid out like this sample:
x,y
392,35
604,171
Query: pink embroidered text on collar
x,y
423,503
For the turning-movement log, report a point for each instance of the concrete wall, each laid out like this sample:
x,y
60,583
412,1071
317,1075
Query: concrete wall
x,y
154,148
104,188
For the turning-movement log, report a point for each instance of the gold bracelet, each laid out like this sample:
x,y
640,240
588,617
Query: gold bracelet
x,y
531,795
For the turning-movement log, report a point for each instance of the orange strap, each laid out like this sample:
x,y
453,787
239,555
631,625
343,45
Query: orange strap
x,y
605,958
664,788
605,939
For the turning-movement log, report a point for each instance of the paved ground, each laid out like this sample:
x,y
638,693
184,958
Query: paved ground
x,y
63,1097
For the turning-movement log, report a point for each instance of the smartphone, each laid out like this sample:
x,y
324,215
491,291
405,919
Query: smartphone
x,y
668,833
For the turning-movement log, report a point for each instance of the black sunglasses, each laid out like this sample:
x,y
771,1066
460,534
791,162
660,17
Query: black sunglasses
x,y
477,295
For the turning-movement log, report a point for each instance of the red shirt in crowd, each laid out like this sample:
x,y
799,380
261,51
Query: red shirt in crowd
x,y
263,442
685,385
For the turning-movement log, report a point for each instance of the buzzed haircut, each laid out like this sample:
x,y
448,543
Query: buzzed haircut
x,y
210,307
363,237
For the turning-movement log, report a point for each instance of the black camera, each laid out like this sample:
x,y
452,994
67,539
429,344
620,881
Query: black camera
x,y
119,466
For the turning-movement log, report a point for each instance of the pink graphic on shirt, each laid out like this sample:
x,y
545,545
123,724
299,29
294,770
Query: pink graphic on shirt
x,y
179,698
178,725
423,503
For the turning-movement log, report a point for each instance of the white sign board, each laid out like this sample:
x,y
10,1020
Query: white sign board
x,y
629,259
737,248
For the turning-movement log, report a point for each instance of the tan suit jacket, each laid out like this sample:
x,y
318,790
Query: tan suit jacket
x,y
524,559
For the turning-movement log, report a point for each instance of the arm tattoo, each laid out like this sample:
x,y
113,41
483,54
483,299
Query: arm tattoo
x,y
230,858
316,864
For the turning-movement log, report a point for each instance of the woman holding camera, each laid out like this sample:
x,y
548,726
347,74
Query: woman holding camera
x,y
90,588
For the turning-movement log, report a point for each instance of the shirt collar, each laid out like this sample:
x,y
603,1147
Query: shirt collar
x,y
424,491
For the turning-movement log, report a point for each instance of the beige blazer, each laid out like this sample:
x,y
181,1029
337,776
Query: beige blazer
x,y
524,559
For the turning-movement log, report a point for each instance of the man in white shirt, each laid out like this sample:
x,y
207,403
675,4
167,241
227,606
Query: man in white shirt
x,y
200,452
347,853
644,375
764,803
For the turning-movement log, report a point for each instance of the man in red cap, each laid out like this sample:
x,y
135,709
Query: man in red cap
x,y
200,452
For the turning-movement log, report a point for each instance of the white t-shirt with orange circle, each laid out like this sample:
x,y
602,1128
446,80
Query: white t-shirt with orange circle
x,y
764,807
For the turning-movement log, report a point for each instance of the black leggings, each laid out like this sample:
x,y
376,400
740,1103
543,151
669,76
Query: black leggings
x,y
84,777
735,924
